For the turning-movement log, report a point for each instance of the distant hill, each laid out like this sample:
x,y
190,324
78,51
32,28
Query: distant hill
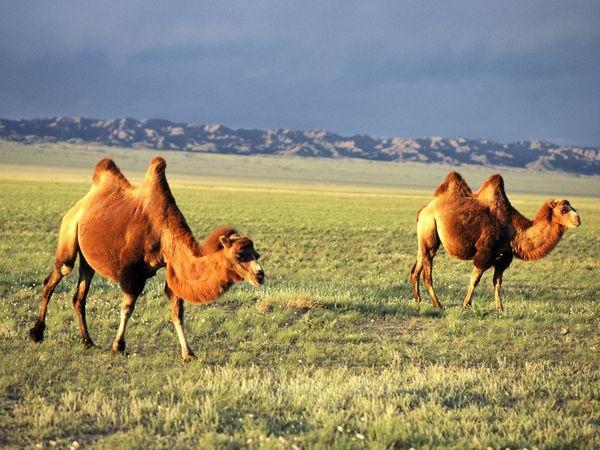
x,y
216,138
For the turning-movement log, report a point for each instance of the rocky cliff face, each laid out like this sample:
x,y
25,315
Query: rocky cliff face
x,y
216,138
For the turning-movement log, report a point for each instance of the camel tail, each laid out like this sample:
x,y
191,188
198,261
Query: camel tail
x,y
67,247
419,212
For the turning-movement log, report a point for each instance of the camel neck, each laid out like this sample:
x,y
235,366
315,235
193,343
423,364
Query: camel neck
x,y
191,275
177,238
535,238
198,279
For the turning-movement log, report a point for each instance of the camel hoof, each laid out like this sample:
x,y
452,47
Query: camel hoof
x,y
88,343
189,357
118,347
36,334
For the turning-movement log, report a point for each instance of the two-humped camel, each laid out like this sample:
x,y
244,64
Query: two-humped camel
x,y
126,234
484,227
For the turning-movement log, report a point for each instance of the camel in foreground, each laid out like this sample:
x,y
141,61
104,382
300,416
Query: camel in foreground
x,y
484,227
127,234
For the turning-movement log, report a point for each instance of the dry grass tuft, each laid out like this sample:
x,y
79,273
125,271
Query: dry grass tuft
x,y
300,302
304,302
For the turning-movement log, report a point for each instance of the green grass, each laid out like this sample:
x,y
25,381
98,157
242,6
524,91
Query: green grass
x,y
332,352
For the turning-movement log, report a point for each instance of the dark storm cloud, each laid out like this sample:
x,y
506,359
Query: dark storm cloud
x,y
505,70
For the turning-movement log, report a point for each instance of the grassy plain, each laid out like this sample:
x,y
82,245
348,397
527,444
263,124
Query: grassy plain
x,y
332,352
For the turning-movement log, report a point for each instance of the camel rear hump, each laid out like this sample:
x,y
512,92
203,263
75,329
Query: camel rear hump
x,y
492,195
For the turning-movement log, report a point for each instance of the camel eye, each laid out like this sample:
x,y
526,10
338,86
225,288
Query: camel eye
x,y
242,257
564,210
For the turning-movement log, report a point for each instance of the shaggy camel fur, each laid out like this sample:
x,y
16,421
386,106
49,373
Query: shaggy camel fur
x,y
127,234
484,227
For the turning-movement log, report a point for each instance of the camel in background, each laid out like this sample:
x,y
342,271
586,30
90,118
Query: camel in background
x,y
127,234
484,227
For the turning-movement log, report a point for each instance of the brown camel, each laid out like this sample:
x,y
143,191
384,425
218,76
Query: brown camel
x,y
484,227
127,234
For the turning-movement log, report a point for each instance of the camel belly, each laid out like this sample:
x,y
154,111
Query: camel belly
x,y
456,235
110,237
101,246
101,249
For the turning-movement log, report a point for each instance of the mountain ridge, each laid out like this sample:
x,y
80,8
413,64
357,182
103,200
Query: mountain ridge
x,y
163,134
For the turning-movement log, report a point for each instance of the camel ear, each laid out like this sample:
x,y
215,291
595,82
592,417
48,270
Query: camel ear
x,y
225,241
552,203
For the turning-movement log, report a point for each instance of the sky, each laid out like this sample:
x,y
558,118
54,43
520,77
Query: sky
x,y
503,70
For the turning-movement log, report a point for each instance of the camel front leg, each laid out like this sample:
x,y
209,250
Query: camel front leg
x,y
500,266
177,318
475,277
497,286
127,307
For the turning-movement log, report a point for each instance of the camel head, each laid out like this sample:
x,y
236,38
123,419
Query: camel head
x,y
564,214
241,259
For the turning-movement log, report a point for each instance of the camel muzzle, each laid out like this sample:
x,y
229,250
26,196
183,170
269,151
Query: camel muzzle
x,y
575,220
260,277
256,274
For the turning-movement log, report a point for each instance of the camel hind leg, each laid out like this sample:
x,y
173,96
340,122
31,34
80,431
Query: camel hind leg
x,y
86,273
428,276
66,254
415,272
417,267
429,243
36,333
